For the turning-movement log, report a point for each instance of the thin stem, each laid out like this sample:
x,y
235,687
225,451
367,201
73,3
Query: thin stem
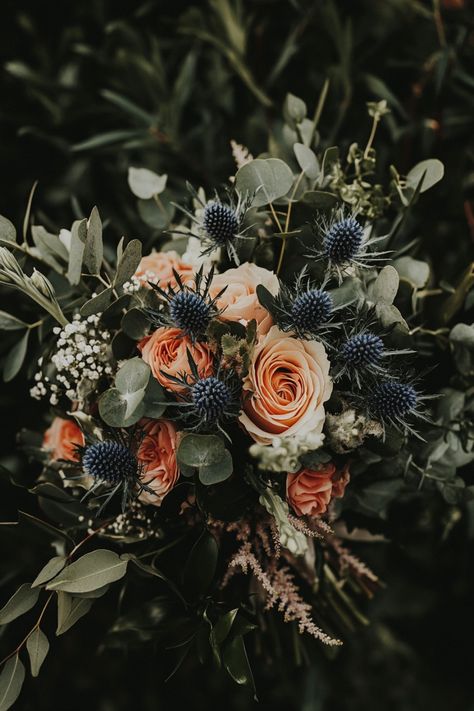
x,y
439,23
375,122
287,222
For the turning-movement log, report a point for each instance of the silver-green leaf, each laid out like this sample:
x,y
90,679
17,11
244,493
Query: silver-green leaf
x,y
92,571
38,647
20,602
50,570
11,681
70,610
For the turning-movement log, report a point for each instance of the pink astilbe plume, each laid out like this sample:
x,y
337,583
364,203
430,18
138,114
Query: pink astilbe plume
x,y
348,560
294,607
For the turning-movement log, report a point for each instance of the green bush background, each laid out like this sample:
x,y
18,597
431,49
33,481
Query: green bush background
x,y
89,88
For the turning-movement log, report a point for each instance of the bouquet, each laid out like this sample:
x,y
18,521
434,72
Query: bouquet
x,y
228,413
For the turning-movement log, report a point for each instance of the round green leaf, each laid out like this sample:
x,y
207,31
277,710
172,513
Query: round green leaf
x,y
264,180
92,571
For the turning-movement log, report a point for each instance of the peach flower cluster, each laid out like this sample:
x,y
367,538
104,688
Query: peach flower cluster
x,y
286,388
240,299
310,491
61,439
157,455
165,351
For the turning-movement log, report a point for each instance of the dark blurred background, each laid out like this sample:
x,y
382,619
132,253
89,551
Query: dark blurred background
x,y
90,88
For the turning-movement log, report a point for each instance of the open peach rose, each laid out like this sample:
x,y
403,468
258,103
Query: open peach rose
x,y
286,388
157,455
61,438
240,298
310,491
157,267
165,352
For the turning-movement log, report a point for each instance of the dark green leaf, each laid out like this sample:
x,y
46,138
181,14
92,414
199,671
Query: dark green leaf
x,y
201,565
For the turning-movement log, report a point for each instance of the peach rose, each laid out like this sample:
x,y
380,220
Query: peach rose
x,y
309,491
165,352
286,388
61,438
240,297
157,267
157,455
339,482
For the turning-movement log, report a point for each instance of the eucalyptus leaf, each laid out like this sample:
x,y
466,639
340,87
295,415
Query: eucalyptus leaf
x,y
431,171
10,323
385,287
129,262
215,473
132,376
38,647
50,570
264,180
7,230
413,271
50,247
76,251
90,572
145,183
98,303
20,602
197,450
94,248
135,324
294,108
15,357
11,681
154,400
114,406
70,610
307,160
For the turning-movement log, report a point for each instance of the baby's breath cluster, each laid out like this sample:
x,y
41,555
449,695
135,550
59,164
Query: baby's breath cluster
x,y
81,358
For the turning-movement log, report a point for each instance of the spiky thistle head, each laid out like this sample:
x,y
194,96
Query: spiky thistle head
x,y
392,401
362,350
220,223
211,398
189,308
109,462
310,310
343,240
207,402
190,312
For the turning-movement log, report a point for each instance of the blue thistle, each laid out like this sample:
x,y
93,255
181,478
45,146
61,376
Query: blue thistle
x,y
362,350
220,223
210,397
310,310
343,240
109,462
393,401
189,308
190,312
